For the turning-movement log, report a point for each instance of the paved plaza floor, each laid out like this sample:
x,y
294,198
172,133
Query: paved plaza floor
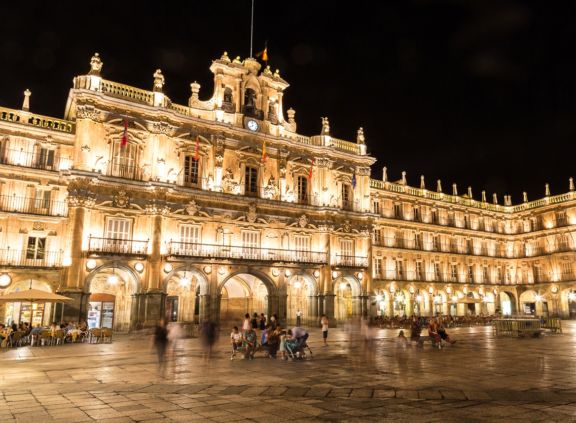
x,y
480,378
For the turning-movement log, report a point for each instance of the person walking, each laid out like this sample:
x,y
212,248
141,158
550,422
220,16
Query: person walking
x,y
299,318
161,344
325,323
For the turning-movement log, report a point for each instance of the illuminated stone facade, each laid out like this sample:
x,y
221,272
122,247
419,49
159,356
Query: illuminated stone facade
x,y
137,208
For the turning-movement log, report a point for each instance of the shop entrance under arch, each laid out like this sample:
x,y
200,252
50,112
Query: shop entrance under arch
x,y
346,298
111,294
240,294
185,295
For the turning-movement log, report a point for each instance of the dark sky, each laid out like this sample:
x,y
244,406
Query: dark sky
x,y
480,93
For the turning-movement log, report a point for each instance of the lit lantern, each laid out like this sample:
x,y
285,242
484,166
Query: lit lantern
x,y
168,268
139,267
5,280
91,264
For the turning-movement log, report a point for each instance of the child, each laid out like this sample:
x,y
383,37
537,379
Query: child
x,y
236,340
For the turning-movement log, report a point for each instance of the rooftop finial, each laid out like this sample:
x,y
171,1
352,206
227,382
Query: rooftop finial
x,y
26,102
277,73
547,190
158,81
404,181
422,183
325,126
454,189
384,174
95,65
360,136
470,193
525,196
507,200
237,60
571,184
439,185
267,71
495,198
195,88
483,196
291,114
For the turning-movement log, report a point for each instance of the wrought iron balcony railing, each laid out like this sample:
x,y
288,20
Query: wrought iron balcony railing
x,y
350,261
40,159
124,171
27,205
30,258
117,246
187,249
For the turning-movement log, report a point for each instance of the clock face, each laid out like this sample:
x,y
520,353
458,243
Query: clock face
x,y
252,125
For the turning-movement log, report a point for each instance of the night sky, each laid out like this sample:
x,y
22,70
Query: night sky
x,y
480,93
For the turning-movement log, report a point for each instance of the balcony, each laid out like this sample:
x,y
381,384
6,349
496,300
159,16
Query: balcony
x,y
41,159
117,246
124,171
37,206
350,261
31,258
186,249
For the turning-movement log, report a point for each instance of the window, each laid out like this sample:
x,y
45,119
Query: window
x,y
400,239
419,272
251,181
250,244
41,201
470,273
46,158
376,207
454,272
437,272
561,218
399,269
467,221
302,247
485,274
417,214
346,197
347,252
302,189
567,270
418,241
434,216
469,246
378,237
190,239
36,248
377,268
398,211
191,171
436,242
499,275
117,235
537,273
124,162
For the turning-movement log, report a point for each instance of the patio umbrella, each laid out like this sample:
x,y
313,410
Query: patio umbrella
x,y
33,296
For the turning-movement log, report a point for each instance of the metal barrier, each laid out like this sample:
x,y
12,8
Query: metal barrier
x,y
517,327
553,324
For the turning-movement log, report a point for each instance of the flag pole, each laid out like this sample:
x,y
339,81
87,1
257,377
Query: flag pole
x,y
252,29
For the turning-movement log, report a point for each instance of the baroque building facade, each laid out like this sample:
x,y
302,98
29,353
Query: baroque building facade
x,y
137,208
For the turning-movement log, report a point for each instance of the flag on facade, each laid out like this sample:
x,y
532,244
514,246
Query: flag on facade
x,y
353,181
310,172
264,155
197,148
263,54
124,134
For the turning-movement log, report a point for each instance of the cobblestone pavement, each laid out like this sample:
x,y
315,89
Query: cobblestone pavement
x,y
480,378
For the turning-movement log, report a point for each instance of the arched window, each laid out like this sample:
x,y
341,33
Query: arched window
x,y
251,181
302,189
228,101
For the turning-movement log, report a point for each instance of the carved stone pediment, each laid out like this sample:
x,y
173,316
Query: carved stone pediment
x,y
252,215
88,112
192,208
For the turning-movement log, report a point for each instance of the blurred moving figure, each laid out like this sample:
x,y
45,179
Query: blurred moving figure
x,y
161,344
208,336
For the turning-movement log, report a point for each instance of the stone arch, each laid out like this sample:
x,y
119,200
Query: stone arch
x,y
261,295
301,294
507,302
186,291
110,304
568,302
347,296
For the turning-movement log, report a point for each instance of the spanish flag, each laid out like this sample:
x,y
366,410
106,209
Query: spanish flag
x,y
124,140
263,54
197,148
310,172
264,155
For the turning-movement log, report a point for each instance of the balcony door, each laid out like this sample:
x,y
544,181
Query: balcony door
x,y
347,252
191,171
302,248
36,248
124,160
45,159
117,236
190,239
250,244
251,181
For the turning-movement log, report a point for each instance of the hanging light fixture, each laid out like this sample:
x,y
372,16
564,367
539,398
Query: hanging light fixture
x,y
297,284
113,279
184,280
